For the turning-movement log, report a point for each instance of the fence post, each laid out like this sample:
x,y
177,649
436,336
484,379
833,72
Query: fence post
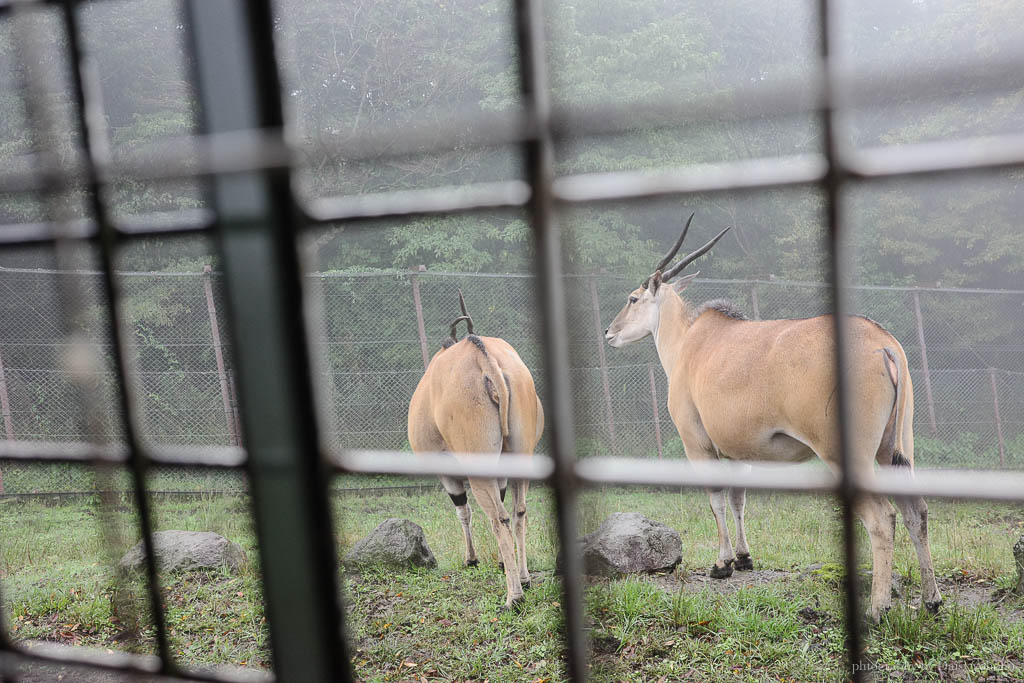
x,y
999,422
754,302
924,363
604,363
218,352
654,405
5,406
419,313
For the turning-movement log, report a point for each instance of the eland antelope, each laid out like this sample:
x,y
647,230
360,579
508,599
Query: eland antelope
x,y
764,390
477,400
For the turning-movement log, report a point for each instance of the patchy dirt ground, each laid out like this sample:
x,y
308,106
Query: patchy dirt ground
x,y
964,590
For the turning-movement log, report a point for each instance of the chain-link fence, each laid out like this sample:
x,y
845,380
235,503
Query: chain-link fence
x,y
377,330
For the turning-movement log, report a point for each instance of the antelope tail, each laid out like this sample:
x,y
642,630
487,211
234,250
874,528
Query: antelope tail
x,y
494,380
896,365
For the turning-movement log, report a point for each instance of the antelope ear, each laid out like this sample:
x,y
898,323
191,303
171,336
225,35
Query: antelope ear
x,y
654,282
684,282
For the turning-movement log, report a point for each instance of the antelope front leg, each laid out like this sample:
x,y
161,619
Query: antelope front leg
x,y
457,492
722,569
737,500
489,497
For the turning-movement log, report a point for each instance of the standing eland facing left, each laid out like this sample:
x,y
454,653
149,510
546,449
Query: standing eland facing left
x,y
477,400
765,390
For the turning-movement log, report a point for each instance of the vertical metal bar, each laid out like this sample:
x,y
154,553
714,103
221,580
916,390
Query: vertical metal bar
x,y
5,405
234,406
654,406
421,328
847,488
603,360
239,90
924,364
90,120
538,154
999,422
218,353
754,302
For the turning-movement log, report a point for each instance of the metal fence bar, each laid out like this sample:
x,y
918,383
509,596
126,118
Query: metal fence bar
x,y
831,183
418,305
999,422
218,352
539,158
90,121
654,407
239,90
5,407
929,400
603,361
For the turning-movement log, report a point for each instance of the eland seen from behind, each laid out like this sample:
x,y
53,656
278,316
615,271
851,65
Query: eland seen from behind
x,y
765,391
477,400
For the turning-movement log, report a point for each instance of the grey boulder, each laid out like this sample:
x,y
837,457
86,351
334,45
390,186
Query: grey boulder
x,y
629,542
187,550
396,543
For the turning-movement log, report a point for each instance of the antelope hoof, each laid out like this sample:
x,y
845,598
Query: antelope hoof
x,y
516,605
722,572
744,563
473,563
501,565
933,605
525,584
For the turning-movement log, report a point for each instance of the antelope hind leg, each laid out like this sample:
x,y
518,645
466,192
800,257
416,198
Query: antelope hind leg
x,y
456,490
488,496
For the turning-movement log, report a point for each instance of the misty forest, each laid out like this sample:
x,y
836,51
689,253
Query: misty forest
x,y
364,66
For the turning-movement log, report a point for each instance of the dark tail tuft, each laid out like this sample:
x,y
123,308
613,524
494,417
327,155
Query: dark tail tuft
x,y
899,460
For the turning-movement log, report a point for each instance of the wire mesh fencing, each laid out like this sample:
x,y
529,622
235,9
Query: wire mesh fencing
x,y
375,332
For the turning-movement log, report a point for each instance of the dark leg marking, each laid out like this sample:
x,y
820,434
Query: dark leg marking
x,y
743,562
458,499
502,492
722,572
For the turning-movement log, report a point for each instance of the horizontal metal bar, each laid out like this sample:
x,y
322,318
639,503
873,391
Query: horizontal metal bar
x,y
164,223
945,156
720,474
966,484
42,652
210,457
56,451
213,457
748,174
432,201
512,465
26,234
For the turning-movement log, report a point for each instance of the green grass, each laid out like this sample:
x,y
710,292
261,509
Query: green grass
x,y
58,584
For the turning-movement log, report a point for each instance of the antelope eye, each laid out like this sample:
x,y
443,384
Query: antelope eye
x,y
632,299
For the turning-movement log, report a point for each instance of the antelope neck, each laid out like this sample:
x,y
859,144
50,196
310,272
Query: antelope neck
x,y
673,321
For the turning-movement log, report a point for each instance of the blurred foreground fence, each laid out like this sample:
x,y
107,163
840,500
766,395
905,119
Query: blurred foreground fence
x,y
377,330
